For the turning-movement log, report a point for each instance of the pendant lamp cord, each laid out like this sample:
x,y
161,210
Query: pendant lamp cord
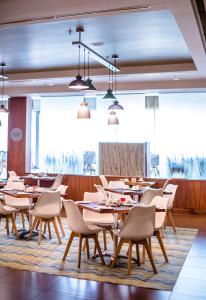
x,y
79,62
88,63
115,79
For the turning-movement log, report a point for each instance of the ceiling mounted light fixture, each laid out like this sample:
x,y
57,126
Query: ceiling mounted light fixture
x,y
3,76
79,83
113,119
91,87
109,94
115,105
84,112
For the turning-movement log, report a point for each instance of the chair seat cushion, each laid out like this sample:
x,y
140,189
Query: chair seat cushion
x,y
100,222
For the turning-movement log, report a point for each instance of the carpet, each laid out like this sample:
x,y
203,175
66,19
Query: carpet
x,y
46,258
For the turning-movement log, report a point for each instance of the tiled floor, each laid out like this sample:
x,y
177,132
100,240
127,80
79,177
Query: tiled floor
x,y
191,284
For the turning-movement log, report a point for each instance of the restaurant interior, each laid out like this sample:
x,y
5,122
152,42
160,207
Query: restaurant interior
x,y
102,159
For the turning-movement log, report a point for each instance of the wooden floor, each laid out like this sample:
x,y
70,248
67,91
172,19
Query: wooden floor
x,y
191,284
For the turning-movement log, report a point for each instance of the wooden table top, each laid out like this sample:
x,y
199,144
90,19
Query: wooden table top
x,y
103,209
122,191
20,194
36,177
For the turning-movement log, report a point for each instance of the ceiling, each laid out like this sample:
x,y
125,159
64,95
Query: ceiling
x,y
160,44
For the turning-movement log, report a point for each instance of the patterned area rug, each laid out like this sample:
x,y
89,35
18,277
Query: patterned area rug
x,y
46,258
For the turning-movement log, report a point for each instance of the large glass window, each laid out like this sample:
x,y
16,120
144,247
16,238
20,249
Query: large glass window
x,y
66,144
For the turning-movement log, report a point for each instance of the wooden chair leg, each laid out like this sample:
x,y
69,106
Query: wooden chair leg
x,y
129,258
143,254
27,215
40,232
162,246
149,253
7,225
14,226
79,251
105,239
95,248
22,218
45,222
32,227
37,225
96,241
49,230
56,230
117,253
169,214
111,232
68,245
87,248
137,254
61,226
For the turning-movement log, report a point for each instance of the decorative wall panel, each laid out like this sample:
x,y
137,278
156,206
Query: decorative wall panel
x,y
124,159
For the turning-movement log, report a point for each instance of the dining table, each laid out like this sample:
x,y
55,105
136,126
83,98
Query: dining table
x,y
122,209
38,178
33,196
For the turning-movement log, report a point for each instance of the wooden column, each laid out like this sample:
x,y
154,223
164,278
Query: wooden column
x,y
19,135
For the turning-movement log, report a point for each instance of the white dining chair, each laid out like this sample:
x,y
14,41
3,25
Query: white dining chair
x,y
149,194
105,220
138,227
21,204
79,228
104,181
118,184
7,212
173,189
57,182
46,209
160,203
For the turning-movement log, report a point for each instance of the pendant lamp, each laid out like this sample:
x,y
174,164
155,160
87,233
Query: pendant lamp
x,y
2,106
113,119
84,112
109,94
91,87
115,105
78,83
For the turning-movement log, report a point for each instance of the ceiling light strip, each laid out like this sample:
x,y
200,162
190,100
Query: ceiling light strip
x,y
98,57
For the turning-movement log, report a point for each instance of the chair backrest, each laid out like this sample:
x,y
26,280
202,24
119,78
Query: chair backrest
x,y
17,185
166,183
62,189
75,220
160,202
171,188
104,181
94,197
13,178
117,184
49,203
149,194
140,223
100,189
2,209
12,173
57,182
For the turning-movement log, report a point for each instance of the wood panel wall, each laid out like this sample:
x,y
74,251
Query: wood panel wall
x,y
18,158
190,196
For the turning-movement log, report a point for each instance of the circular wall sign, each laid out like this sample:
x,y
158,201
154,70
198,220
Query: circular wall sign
x,y
16,134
